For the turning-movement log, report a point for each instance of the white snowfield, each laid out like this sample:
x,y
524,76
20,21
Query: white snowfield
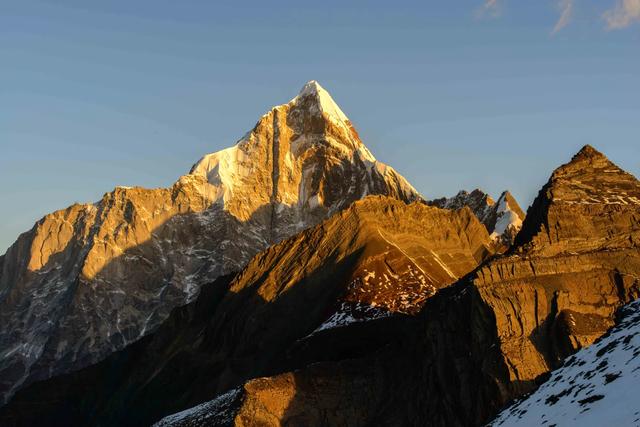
x,y
596,387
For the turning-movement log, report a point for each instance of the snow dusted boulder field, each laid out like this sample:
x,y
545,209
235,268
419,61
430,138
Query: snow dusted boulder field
x,y
598,386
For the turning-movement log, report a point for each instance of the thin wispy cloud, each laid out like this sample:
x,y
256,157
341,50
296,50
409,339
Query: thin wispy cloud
x,y
490,9
623,14
566,10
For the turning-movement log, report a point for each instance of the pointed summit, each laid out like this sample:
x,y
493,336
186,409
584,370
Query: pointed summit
x,y
511,201
588,158
588,152
300,164
312,87
312,90
507,219
584,163
303,157
585,189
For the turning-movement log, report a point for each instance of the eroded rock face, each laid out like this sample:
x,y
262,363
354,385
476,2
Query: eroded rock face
x,y
503,218
594,387
341,289
588,204
87,280
90,279
495,334
576,262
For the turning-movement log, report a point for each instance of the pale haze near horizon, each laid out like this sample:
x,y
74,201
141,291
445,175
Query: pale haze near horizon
x,y
451,95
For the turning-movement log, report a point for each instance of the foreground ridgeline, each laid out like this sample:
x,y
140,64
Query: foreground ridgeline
x,y
295,280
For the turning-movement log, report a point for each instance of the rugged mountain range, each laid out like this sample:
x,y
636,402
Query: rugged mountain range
x,y
294,280
503,219
90,279
375,263
485,340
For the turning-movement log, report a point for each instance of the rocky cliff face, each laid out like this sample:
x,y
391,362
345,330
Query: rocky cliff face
x,y
341,289
503,218
488,338
576,262
592,388
90,279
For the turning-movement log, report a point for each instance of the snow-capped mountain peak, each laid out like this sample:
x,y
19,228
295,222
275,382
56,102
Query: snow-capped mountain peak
x,y
325,102
509,217
303,155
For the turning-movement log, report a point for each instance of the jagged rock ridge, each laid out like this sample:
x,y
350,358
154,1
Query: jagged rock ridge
x,y
90,279
503,218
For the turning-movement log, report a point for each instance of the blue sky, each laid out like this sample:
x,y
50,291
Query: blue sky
x,y
454,95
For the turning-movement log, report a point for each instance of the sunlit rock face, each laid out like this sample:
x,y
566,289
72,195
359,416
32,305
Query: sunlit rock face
x,y
385,313
592,388
309,162
87,280
492,336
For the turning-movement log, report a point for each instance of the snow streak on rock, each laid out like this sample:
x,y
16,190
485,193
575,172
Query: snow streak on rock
x,y
350,313
217,412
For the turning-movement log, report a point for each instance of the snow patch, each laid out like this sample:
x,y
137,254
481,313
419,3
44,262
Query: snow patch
x,y
349,313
